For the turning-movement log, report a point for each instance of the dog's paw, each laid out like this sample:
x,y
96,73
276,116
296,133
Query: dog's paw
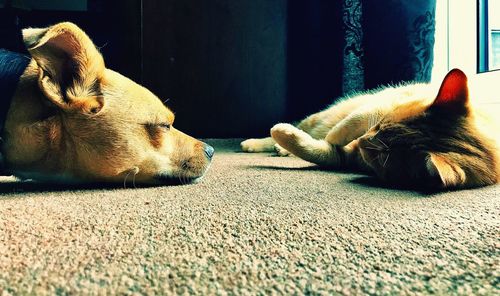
x,y
280,151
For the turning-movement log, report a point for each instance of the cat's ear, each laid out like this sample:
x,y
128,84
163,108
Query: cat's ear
x,y
453,94
444,170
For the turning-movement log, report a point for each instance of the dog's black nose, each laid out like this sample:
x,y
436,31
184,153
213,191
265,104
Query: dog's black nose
x,y
209,151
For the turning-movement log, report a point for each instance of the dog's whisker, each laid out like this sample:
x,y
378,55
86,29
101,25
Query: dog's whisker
x,y
135,171
104,45
135,174
125,180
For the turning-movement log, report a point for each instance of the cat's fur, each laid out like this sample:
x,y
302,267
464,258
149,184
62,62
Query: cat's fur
x,y
406,135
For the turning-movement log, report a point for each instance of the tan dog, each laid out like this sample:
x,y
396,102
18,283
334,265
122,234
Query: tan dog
x,y
73,120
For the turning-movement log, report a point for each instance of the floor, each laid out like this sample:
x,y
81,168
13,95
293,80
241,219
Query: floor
x,y
255,224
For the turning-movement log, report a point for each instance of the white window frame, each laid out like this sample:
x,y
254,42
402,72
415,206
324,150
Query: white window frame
x,y
456,47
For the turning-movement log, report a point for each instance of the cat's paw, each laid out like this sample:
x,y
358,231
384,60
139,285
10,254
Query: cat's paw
x,y
280,151
286,134
250,145
283,131
291,139
257,145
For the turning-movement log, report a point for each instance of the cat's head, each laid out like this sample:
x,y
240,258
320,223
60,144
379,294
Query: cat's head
x,y
436,145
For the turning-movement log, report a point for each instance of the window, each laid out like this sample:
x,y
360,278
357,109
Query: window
x,y
468,37
495,49
488,35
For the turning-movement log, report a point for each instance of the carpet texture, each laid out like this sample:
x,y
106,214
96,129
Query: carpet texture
x,y
256,224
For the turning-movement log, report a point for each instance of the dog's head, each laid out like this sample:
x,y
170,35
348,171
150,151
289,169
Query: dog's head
x,y
72,118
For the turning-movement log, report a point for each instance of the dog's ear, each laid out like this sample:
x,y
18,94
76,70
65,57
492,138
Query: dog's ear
x,y
70,65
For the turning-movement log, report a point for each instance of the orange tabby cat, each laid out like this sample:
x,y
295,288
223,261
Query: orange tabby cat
x,y
406,135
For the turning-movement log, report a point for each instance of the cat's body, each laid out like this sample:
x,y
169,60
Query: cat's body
x,y
406,135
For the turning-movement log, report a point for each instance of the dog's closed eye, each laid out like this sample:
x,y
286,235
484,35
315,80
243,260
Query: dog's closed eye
x,y
156,126
155,132
165,125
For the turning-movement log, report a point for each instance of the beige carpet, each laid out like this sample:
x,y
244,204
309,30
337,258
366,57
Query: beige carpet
x,y
255,224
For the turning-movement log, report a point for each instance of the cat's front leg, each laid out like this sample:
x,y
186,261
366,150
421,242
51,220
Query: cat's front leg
x,y
320,152
352,127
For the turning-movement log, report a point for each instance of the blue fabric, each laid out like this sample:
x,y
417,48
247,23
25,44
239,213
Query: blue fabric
x,y
12,66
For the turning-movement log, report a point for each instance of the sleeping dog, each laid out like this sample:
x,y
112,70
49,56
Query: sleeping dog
x,y
65,117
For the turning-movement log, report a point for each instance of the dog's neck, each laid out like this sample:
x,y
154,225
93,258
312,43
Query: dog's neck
x,y
12,66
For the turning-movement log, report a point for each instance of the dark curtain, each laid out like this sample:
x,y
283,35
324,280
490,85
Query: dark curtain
x,y
336,48
398,40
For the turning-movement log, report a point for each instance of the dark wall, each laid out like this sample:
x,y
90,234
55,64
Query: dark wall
x,y
228,68
314,56
114,26
221,63
234,68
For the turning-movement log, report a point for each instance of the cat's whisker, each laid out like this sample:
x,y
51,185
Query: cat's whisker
x,y
373,120
409,133
375,145
374,159
386,159
381,142
372,148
